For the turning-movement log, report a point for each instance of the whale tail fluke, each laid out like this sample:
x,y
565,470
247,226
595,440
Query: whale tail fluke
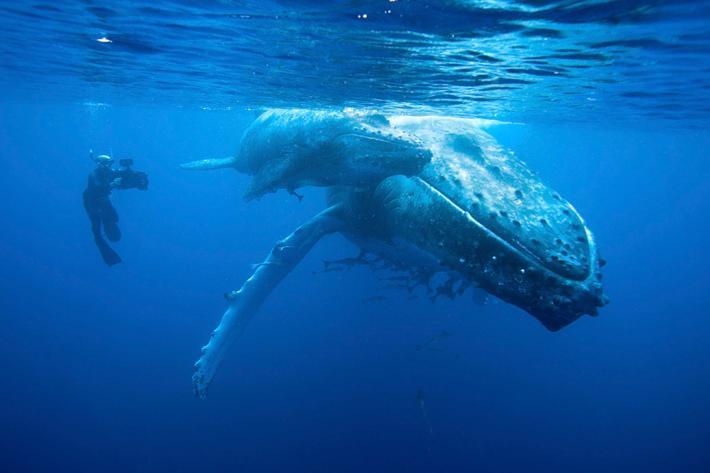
x,y
209,164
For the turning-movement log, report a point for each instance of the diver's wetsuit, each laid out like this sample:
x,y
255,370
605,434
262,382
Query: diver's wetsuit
x,y
101,212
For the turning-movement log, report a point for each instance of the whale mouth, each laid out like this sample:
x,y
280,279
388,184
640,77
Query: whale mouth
x,y
361,139
393,144
421,213
517,247
385,139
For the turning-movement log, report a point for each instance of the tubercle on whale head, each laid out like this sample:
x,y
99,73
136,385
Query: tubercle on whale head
x,y
416,212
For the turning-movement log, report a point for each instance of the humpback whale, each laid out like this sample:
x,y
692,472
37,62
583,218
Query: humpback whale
x,y
426,194
288,149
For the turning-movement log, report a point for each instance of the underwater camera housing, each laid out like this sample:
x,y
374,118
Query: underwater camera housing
x,y
131,179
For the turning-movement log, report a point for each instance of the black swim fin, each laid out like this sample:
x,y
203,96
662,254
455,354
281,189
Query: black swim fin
x,y
109,256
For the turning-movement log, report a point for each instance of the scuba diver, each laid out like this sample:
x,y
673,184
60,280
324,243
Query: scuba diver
x,y
102,180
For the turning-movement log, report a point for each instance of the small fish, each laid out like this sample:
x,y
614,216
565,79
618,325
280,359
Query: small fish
x,y
345,263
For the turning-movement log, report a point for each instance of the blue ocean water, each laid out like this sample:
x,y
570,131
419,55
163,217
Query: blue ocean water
x,y
608,101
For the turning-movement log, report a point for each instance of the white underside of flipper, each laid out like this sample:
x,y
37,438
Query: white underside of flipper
x,y
246,301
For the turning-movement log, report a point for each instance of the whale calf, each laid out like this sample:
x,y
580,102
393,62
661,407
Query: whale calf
x,y
288,149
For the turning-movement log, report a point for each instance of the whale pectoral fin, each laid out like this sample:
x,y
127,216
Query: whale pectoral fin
x,y
266,276
208,164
